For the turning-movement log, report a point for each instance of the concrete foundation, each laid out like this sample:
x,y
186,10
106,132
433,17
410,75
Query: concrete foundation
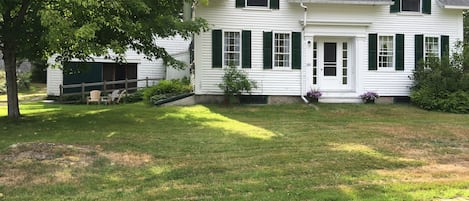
x,y
182,102
385,100
272,100
275,100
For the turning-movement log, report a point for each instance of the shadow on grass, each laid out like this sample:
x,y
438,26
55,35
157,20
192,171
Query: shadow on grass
x,y
240,153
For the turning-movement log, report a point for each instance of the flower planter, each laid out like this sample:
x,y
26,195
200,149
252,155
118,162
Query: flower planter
x,y
369,101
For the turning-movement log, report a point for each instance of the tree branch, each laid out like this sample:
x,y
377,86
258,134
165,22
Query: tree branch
x,y
22,12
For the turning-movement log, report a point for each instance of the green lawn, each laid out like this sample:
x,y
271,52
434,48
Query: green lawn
x,y
36,92
286,152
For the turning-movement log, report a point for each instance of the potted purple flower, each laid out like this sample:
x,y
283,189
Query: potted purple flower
x,y
313,95
369,97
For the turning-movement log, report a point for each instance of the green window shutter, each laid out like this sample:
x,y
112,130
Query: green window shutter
x,y
444,46
372,51
400,52
418,49
274,4
427,6
217,49
240,3
396,7
296,50
246,54
267,50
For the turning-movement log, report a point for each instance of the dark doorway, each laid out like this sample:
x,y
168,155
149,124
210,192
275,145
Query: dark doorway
x,y
119,72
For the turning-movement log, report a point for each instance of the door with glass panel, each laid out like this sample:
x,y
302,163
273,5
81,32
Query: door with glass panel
x,y
332,64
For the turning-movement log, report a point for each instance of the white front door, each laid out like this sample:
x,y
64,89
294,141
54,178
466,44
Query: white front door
x,y
333,64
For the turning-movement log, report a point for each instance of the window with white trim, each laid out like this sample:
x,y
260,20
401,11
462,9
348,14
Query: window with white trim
x,y
282,50
432,47
411,5
386,52
257,3
232,48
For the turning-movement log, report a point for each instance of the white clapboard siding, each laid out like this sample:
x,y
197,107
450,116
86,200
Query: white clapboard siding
x,y
223,15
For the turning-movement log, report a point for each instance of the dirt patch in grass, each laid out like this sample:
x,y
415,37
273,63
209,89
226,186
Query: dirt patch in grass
x,y
41,163
128,159
443,149
458,171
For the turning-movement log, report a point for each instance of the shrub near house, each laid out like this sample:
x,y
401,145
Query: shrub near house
x,y
166,89
442,85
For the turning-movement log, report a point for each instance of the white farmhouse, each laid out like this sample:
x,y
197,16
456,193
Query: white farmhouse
x,y
341,47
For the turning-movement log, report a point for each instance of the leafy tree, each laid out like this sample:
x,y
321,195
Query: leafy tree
x,y
37,29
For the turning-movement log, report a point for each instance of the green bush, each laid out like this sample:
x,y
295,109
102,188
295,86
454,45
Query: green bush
x,y
235,82
133,97
442,85
154,99
24,81
169,87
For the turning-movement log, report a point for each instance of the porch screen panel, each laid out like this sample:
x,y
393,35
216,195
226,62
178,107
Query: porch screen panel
x,y
79,72
131,73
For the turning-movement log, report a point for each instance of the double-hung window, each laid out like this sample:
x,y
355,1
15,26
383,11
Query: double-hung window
x,y
432,48
257,3
386,52
411,5
232,48
282,50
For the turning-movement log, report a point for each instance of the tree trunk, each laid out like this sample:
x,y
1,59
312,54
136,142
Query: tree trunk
x,y
9,56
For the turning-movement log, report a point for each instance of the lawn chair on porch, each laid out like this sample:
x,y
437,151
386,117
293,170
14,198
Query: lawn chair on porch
x,y
121,95
95,96
112,97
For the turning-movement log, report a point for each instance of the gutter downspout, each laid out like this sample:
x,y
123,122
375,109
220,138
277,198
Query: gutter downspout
x,y
302,69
